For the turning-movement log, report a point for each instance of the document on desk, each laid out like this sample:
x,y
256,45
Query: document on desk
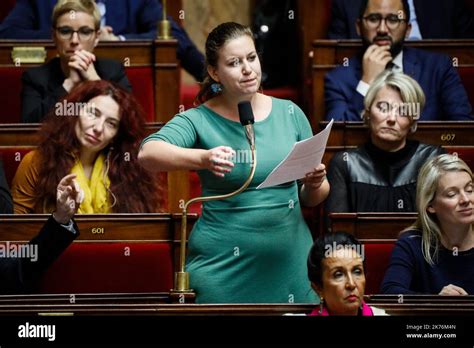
x,y
302,159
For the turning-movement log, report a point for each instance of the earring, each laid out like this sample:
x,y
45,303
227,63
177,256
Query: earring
x,y
216,88
321,306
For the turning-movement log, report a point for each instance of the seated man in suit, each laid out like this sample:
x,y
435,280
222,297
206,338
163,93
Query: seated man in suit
x,y
76,33
20,275
430,19
120,20
384,25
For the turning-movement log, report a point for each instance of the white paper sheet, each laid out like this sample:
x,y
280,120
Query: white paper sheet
x,y
302,159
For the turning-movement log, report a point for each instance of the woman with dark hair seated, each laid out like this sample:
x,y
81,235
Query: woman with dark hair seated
x,y
380,176
98,141
336,272
436,254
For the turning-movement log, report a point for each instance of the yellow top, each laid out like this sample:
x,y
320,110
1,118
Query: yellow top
x,y
96,197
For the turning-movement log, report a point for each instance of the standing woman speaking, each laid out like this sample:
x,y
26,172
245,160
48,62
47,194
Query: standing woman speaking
x,y
252,247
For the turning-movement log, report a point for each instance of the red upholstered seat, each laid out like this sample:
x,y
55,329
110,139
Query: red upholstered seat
x,y
188,93
5,8
286,92
11,160
195,191
141,79
467,77
10,97
465,153
377,259
89,267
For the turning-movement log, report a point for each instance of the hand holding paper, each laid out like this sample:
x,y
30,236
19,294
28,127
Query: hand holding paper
x,y
303,158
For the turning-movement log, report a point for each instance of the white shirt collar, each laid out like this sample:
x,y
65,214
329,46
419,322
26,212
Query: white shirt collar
x,y
398,61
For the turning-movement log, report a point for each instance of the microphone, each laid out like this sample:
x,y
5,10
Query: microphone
x,y
181,277
247,120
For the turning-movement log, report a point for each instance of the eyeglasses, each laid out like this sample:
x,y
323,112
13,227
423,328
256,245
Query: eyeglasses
x,y
392,21
66,33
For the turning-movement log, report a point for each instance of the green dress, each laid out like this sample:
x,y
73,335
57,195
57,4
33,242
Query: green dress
x,y
251,248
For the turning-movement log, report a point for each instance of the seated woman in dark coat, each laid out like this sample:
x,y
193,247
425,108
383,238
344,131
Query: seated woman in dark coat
x,y
380,176
436,254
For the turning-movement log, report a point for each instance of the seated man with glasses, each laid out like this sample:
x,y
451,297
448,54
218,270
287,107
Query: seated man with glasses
x,y
75,33
430,19
383,26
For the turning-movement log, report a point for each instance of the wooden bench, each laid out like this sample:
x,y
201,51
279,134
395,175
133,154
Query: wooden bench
x,y
454,136
113,253
378,233
158,304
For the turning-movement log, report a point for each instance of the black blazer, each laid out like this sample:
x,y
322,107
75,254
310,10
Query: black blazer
x,y
437,19
22,275
42,86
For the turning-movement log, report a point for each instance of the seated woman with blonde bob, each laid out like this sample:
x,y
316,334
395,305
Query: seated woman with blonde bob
x,y
336,271
98,142
380,175
436,254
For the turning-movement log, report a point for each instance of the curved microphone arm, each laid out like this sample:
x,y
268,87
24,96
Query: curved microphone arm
x,y
181,278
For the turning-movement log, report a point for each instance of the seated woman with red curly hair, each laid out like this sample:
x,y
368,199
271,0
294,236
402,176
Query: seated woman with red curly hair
x,y
97,138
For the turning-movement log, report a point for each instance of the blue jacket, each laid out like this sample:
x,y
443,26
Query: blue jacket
x,y
134,19
437,19
446,98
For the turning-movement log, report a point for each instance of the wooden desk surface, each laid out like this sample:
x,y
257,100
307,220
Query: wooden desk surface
x,y
98,227
372,227
445,133
157,304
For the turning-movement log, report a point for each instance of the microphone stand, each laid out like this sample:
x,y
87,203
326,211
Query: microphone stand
x,y
181,278
164,26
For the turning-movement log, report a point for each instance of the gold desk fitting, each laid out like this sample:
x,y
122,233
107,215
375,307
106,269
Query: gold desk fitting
x,y
164,25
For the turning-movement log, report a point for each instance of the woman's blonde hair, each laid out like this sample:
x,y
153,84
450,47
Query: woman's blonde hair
x,y
410,91
71,6
428,179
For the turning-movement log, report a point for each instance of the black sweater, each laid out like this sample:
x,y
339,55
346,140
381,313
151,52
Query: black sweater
x,y
368,179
